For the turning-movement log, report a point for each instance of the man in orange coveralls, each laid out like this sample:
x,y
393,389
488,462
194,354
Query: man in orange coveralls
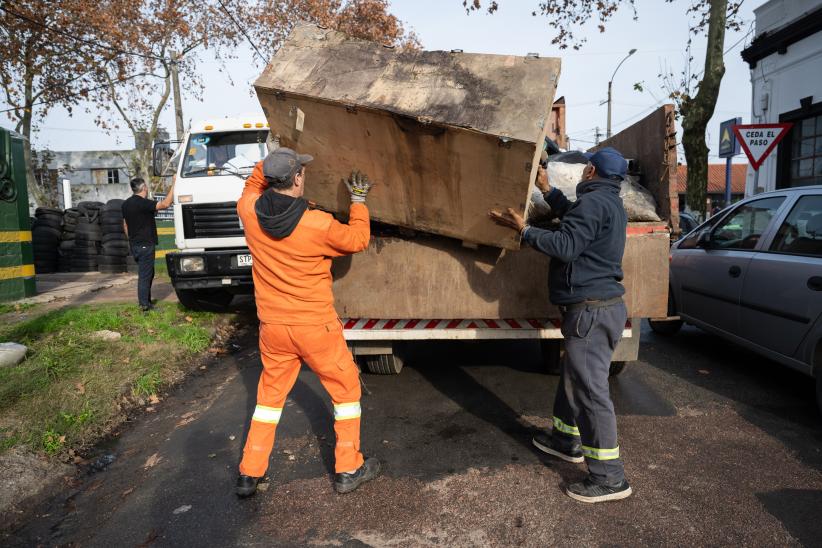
x,y
291,247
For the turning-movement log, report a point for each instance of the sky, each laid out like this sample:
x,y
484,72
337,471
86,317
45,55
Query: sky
x,y
660,35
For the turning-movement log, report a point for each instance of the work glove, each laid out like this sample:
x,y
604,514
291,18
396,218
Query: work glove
x,y
358,187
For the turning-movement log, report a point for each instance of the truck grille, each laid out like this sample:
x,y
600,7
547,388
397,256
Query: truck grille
x,y
219,220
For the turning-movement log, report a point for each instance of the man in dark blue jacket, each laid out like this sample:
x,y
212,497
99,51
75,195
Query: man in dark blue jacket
x,y
584,282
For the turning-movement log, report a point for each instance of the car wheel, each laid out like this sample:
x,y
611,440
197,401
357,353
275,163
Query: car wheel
x,y
665,327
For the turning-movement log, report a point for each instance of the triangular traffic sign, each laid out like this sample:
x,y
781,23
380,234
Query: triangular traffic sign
x,y
759,140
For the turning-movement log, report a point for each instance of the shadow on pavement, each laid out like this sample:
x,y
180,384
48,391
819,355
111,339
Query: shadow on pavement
x,y
798,510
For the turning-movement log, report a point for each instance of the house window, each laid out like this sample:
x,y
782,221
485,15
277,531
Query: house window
x,y
800,154
113,176
806,152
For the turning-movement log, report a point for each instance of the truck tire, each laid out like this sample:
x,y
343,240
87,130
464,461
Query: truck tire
x,y
666,328
210,300
616,368
383,364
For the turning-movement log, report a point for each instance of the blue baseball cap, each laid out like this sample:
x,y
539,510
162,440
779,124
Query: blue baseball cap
x,y
609,163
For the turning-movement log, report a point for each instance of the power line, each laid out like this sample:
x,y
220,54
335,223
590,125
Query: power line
x,y
83,40
242,30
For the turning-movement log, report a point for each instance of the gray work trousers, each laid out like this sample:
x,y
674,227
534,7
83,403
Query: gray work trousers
x,y
583,410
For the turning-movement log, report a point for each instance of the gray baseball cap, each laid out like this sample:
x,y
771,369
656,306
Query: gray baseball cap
x,y
284,163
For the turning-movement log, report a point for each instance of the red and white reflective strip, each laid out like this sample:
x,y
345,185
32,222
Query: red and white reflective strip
x,y
372,329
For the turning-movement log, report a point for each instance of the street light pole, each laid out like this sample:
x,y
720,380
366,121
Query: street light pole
x,y
610,86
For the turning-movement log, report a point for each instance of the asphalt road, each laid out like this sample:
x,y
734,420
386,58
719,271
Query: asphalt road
x,y
721,447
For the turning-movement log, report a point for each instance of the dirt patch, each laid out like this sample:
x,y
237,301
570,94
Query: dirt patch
x,y
25,480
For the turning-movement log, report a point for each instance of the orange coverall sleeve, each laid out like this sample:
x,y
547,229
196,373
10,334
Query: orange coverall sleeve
x,y
345,239
255,185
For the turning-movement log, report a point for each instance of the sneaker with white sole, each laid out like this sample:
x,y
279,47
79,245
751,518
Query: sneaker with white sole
x,y
569,452
588,491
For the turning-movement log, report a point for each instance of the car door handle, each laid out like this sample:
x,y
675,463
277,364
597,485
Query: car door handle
x,y
734,271
815,283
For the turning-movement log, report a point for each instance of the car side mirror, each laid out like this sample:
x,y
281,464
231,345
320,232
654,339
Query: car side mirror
x,y
705,241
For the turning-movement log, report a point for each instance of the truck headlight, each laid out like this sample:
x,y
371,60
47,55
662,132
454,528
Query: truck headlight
x,y
192,264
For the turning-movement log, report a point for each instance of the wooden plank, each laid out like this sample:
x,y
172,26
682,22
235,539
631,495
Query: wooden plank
x,y
430,277
447,136
652,142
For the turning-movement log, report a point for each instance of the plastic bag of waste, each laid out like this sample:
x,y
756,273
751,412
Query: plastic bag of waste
x,y
638,202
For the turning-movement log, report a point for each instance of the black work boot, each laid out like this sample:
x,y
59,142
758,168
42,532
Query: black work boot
x,y
346,482
569,451
588,491
246,485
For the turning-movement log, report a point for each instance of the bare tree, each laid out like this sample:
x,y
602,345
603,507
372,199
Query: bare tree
x,y
169,32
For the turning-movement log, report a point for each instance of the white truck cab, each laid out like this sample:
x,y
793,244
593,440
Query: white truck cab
x,y
212,162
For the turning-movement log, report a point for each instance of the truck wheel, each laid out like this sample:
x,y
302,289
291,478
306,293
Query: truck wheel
x,y
383,364
616,368
210,300
665,327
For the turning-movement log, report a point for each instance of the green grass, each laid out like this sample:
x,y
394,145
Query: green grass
x,y
7,308
72,387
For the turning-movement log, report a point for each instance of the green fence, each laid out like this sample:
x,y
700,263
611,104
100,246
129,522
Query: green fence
x,y
16,255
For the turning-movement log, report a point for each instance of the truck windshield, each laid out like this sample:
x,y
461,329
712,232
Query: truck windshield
x,y
231,151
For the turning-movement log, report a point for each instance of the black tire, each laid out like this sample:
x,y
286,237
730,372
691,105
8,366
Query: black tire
x,y
111,228
616,368
211,300
111,217
115,204
113,250
114,237
46,232
110,260
666,328
47,268
383,364
40,211
50,221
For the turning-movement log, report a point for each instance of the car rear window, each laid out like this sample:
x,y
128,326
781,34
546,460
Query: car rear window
x,y
801,233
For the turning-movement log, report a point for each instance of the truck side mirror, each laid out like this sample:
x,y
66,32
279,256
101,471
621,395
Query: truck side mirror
x,y
161,154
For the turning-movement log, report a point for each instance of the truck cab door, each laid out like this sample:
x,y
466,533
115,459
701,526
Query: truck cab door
x,y
710,276
782,294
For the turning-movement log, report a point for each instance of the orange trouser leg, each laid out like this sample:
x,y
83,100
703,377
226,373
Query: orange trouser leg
x,y
324,350
281,365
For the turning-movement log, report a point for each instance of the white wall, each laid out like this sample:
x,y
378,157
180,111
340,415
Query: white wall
x,y
778,82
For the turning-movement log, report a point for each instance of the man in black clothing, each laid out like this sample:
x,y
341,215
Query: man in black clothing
x,y
141,229
584,282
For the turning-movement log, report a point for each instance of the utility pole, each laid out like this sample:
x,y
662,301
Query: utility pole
x,y
178,100
610,85
597,135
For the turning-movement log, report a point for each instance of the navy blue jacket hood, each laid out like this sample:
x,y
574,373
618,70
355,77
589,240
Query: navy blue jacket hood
x,y
586,250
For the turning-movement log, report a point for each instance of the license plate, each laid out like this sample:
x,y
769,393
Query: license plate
x,y
244,260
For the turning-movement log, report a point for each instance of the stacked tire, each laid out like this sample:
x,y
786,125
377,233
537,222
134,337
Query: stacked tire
x,y
66,250
114,251
46,232
88,236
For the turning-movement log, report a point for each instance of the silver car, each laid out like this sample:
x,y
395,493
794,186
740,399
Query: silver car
x,y
753,274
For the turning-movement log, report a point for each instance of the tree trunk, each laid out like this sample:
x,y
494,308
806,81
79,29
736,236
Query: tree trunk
x,y
697,111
